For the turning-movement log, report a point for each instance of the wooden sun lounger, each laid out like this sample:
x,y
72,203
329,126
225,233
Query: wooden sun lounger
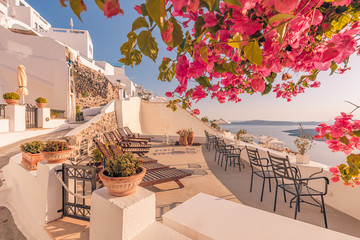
x,y
135,135
126,146
124,136
116,138
164,175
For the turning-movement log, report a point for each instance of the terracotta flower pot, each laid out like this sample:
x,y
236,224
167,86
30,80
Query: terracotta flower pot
x,y
181,139
56,157
185,142
191,138
11,101
40,105
30,160
122,186
303,159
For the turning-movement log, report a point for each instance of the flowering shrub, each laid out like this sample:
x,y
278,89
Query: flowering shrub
x,y
123,165
55,146
304,142
240,133
344,136
233,47
33,147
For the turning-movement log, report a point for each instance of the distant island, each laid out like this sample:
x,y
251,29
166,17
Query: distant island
x,y
274,123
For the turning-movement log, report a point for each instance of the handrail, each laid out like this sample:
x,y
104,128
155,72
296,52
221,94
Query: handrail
x,y
2,110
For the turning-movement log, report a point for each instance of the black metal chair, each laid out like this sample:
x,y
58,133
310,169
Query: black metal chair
x,y
220,147
289,179
231,155
210,141
261,167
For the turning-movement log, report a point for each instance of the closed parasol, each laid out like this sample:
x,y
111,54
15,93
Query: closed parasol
x,y
22,82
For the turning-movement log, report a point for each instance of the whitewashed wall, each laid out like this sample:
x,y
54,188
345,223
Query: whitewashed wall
x,y
46,67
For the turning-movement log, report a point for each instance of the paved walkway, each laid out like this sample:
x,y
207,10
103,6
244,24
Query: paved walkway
x,y
8,229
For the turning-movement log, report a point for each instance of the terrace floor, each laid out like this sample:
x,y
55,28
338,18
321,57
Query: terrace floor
x,y
233,185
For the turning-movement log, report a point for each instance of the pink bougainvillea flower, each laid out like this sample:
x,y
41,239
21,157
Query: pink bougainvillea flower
x,y
166,34
258,85
169,94
112,8
334,170
178,4
285,6
196,111
318,17
194,5
210,19
335,179
169,48
138,9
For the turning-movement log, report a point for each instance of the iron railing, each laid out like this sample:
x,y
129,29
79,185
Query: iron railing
x,y
31,116
2,110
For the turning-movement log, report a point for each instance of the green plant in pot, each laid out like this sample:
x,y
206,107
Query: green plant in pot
x,y
40,102
54,114
122,174
56,151
11,98
303,143
31,154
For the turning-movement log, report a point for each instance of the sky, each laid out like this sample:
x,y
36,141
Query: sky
x,y
319,104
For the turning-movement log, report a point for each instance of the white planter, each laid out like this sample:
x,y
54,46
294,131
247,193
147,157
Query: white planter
x,y
303,159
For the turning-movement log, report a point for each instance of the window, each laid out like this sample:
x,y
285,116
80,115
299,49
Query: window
x,y
21,4
36,26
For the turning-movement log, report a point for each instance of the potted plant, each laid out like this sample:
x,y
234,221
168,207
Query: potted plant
x,y
56,151
190,137
239,135
303,144
31,154
54,114
40,102
182,133
11,98
122,174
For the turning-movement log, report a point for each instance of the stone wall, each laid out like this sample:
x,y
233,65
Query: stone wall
x,y
105,124
92,88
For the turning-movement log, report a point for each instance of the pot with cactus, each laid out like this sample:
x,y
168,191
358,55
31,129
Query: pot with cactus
x,y
303,144
122,174
190,137
31,154
56,151
11,98
40,102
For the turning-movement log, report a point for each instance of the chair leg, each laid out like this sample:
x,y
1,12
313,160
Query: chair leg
x,y
269,185
179,183
276,191
262,191
226,162
323,209
239,164
251,183
284,194
215,156
296,207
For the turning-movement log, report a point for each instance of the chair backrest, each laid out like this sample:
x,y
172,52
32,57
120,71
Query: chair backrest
x,y
128,131
115,149
103,149
109,137
122,133
282,168
254,157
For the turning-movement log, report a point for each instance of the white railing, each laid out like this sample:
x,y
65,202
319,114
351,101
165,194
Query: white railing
x,y
61,30
5,2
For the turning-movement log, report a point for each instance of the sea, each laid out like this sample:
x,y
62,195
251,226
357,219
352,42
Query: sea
x,y
319,152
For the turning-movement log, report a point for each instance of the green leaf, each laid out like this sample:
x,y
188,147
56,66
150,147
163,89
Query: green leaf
x,y
357,133
211,4
139,23
62,3
203,81
200,22
144,10
230,67
333,67
268,88
281,30
233,2
218,68
253,52
136,56
77,6
148,45
235,42
204,54
177,35
156,10
344,140
280,17
100,4
340,22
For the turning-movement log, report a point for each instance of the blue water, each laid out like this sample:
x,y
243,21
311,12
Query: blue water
x,y
318,153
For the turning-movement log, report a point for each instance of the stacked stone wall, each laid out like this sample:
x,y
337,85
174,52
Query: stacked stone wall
x,y
92,88
105,124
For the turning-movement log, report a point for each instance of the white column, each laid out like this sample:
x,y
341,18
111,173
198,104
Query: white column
x,y
16,115
121,217
43,116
